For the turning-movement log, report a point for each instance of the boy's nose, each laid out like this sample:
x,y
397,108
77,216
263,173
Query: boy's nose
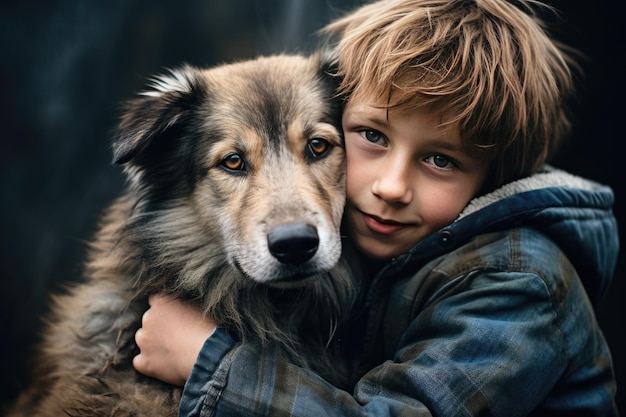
x,y
392,185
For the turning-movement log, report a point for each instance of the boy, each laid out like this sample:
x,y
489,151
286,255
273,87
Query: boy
x,y
484,264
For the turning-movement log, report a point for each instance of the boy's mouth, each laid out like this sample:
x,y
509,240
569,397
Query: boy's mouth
x,y
381,226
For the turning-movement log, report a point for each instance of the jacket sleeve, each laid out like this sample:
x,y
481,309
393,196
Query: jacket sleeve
x,y
490,344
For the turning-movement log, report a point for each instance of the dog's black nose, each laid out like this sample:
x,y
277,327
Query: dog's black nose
x,y
293,243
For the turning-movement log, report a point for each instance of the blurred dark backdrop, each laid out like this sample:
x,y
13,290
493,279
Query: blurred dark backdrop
x,y
65,65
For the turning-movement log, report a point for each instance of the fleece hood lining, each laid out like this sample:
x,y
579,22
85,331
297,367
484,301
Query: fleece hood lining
x,y
548,177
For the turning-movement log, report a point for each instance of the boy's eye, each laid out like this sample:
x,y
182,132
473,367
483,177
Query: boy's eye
x,y
372,136
440,161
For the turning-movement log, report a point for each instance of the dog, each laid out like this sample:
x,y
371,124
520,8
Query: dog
x,y
234,197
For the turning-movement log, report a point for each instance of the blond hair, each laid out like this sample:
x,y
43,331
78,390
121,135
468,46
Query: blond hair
x,y
488,65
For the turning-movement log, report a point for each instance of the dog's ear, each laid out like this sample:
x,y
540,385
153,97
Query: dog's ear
x,y
327,60
330,80
169,101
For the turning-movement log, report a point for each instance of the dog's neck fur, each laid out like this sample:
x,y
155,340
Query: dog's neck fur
x,y
272,317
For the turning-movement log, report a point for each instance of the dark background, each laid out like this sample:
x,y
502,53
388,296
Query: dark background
x,y
66,65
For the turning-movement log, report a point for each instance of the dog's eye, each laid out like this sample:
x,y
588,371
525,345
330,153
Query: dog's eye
x,y
234,162
318,147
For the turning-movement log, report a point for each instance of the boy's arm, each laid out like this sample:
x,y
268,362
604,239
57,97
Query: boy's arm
x,y
231,379
495,348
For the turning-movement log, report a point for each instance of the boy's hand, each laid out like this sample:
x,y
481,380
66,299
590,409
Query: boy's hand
x,y
171,338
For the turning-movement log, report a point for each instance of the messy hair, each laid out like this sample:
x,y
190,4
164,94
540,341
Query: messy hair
x,y
488,65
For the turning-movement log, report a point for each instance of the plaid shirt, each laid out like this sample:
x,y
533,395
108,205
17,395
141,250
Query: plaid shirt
x,y
491,316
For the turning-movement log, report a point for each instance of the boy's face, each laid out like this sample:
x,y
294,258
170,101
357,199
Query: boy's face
x,y
407,176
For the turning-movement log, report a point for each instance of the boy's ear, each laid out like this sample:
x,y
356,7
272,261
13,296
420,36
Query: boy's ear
x,y
165,105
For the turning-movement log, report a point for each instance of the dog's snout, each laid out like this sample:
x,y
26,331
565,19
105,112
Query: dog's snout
x,y
293,243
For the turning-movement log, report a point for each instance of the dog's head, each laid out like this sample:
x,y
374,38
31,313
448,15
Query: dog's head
x,y
241,163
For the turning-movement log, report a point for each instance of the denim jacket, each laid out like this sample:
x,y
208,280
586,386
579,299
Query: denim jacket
x,y
492,315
